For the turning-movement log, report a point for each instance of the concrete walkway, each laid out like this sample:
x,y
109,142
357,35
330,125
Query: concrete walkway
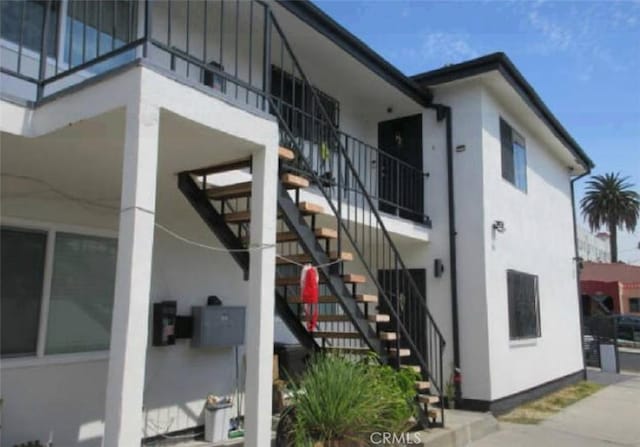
x,y
610,417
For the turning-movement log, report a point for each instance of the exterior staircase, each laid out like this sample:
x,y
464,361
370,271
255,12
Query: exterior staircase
x,y
369,300
349,321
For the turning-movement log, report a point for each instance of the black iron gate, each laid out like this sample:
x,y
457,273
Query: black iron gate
x,y
598,331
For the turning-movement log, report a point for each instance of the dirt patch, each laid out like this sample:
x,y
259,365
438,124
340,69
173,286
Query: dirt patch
x,y
538,410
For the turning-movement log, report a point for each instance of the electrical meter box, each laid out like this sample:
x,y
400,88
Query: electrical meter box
x,y
217,326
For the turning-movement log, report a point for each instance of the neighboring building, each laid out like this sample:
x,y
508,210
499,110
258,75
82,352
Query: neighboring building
x,y
610,288
143,150
593,247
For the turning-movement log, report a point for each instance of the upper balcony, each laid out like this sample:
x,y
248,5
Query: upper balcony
x,y
257,55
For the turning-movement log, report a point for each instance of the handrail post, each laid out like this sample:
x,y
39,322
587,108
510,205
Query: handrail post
x,y
42,72
266,68
397,305
340,192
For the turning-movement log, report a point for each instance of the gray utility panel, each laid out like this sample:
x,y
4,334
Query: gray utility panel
x,y
217,326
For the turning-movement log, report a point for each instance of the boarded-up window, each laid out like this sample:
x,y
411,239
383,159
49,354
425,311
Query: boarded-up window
x,y
524,305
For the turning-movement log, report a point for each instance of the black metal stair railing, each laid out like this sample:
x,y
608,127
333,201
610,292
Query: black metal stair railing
x,y
321,155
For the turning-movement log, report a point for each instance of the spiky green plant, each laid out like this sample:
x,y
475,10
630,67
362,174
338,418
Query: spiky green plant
x,y
340,399
611,201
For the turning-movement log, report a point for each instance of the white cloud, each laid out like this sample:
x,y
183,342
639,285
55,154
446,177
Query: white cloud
x,y
553,34
439,48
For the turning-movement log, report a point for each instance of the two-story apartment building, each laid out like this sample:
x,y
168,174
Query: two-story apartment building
x,y
170,151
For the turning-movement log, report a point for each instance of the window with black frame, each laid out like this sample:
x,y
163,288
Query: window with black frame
x,y
524,305
79,301
514,156
301,111
634,304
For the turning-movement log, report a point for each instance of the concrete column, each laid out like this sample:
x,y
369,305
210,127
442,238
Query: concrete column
x,y
127,354
260,311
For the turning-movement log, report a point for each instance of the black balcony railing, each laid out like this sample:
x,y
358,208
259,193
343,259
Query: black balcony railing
x,y
226,46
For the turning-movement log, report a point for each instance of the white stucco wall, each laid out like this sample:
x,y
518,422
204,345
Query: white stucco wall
x,y
65,395
539,240
465,102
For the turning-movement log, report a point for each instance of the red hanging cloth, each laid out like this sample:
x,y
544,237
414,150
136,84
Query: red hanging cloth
x,y
309,294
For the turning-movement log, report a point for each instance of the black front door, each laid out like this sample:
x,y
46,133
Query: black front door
x,y
400,183
405,301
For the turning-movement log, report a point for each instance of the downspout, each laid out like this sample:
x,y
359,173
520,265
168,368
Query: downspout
x,y
443,112
578,264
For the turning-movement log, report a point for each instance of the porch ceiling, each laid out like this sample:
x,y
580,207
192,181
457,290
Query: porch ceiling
x,y
83,162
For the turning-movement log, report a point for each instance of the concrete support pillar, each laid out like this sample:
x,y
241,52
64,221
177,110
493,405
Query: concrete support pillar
x,y
127,352
260,311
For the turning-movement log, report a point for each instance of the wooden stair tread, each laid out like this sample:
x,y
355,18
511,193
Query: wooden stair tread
x,y
323,334
292,181
428,399
283,153
303,257
310,208
377,318
387,336
415,368
320,233
332,299
366,298
349,278
422,384
245,216
286,153
402,352
236,190
349,350
229,191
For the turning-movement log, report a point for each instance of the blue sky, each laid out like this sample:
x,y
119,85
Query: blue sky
x,y
582,57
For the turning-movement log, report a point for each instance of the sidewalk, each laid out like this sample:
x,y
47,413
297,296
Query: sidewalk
x,y
610,417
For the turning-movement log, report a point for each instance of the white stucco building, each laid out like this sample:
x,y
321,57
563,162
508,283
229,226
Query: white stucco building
x,y
167,152
593,247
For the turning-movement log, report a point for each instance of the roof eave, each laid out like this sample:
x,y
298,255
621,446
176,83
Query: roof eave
x,y
500,62
325,25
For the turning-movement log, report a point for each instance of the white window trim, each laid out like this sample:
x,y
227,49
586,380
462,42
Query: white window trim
x,y
42,359
524,342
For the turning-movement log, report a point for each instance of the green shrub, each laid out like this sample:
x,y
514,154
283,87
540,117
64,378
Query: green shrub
x,y
340,399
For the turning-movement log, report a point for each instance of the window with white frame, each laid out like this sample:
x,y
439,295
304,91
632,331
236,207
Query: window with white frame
x,y
524,305
514,156
80,291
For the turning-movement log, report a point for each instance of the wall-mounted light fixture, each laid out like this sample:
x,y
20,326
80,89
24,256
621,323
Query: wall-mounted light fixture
x,y
438,267
498,226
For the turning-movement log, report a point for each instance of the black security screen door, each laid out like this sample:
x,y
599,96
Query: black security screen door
x,y
400,191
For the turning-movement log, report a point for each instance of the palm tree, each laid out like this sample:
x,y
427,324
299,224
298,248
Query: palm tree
x,y
611,201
